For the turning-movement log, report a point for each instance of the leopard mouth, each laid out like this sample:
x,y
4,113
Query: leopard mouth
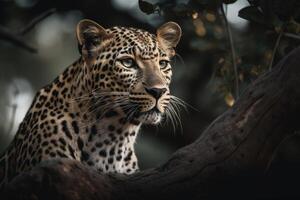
x,y
153,111
152,116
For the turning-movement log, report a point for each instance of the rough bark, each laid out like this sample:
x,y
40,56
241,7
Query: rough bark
x,y
231,158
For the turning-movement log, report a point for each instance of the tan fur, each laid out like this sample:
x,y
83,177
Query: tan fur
x,y
92,112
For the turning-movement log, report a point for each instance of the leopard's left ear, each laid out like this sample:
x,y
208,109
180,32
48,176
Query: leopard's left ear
x,y
168,36
91,37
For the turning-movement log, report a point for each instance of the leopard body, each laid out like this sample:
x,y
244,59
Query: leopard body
x,y
93,111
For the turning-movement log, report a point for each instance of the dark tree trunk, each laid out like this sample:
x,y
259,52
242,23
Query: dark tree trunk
x,y
231,159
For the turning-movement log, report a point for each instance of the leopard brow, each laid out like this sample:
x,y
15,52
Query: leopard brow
x,y
132,49
126,54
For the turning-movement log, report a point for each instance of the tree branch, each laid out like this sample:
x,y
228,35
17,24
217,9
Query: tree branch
x,y
233,54
292,35
281,33
37,20
17,39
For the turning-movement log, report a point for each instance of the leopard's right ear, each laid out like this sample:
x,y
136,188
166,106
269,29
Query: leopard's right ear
x,y
91,38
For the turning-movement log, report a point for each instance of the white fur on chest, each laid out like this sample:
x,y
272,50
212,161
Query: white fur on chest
x,y
111,148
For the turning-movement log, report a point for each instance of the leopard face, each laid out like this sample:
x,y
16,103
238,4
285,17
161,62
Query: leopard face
x,y
129,68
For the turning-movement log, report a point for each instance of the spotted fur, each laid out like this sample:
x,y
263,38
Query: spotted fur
x,y
92,112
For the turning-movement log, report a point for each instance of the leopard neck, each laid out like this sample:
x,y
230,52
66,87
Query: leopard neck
x,y
105,140
109,144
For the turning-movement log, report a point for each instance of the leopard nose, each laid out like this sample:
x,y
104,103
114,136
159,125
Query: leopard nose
x,y
156,92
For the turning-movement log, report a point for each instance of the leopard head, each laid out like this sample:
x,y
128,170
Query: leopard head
x,y
129,68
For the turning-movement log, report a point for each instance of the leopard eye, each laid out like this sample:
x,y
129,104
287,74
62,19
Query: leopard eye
x,y
163,64
128,62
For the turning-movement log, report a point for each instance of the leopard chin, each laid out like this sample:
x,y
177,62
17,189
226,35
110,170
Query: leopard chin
x,y
152,117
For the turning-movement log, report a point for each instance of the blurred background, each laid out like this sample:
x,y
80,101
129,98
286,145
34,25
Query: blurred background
x,y
226,44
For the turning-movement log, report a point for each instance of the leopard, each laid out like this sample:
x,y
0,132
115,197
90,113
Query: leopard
x,y
93,111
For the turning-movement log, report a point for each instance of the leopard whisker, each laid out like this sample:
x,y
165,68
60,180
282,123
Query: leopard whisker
x,y
92,109
170,119
183,103
177,116
96,105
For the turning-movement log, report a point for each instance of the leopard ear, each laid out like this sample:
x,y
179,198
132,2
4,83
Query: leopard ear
x,y
168,36
91,37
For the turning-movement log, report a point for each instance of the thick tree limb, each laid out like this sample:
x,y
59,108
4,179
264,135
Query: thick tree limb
x,y
230,159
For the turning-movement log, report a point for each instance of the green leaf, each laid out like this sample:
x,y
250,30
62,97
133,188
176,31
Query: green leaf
x,y
229,1
252,13
181,9
209,4
146,7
